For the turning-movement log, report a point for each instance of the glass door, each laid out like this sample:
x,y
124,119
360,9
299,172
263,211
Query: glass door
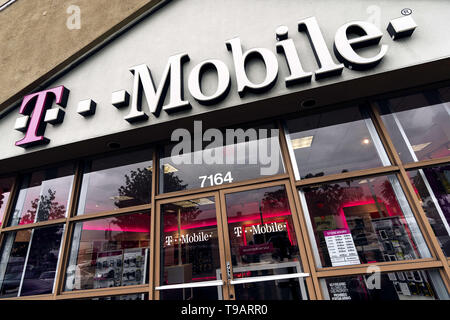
x,y
239,243
190,256
261,241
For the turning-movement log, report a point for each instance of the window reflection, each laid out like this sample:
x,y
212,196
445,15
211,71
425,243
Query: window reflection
x,y
190,249
116,182
405,285
5,191
432,186
240,154
334,142
418,124
109,252
260,227
363,221
44,195
29,260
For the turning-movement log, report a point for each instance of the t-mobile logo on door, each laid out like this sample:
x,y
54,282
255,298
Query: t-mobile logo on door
x,y
36,113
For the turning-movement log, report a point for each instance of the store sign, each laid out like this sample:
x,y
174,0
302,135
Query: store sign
x,y
261,229
188,238
36,108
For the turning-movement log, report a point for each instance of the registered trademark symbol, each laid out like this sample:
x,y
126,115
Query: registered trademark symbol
x,y
406,11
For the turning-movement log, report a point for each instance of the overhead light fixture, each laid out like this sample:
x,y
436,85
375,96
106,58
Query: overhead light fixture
x,y
363,181
193,203
300,143
167,168
365,141
121,198
203,201
420,147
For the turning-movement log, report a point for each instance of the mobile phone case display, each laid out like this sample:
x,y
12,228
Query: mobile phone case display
x,y
406,285
411,284
120,268
394,239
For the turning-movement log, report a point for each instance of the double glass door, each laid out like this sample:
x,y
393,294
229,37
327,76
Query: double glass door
x,y
238,243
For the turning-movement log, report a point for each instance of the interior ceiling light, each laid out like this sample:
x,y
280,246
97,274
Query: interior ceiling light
x,y
420,147
167,168
121,198
365,141
193,203
300,143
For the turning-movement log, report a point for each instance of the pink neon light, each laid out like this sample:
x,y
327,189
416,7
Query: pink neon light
x,y
359,203
117,229
213,221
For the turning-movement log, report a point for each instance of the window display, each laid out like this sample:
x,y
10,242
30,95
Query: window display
x,y
406,285
5,191
28,261
432,186
44,195
418,124
116,182
334,142
362,221
231,155
109,252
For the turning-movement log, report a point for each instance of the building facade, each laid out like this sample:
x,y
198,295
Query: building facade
x,y
230,150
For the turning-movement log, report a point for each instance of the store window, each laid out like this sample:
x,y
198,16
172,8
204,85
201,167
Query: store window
x,y
44,195
263,243
29,260
418,124
109,252
190,249
402,285
333,142
116,182
5,191
432,186
224,156
362,221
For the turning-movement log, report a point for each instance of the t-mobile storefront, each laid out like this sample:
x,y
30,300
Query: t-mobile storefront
x,y
237,150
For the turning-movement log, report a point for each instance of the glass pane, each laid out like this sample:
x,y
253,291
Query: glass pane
x,y
190,247
284,289
404,285
334,142
261,231
116,182
5,191
109,252
234,155
28,262
203,293
418,124
432,186
45,192
362,221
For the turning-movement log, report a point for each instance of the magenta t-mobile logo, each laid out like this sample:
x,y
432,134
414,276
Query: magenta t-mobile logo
x,y
37,113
